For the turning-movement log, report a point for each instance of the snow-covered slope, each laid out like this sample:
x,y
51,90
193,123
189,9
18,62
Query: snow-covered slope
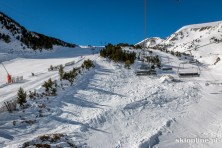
x,y
107,107
37,64
110,106
203,41
14,38
200,127
150,42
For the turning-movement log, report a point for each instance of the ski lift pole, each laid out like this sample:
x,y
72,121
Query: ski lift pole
x,y
9,78
5,68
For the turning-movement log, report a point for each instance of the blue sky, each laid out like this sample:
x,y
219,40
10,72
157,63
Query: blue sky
x,y
95,22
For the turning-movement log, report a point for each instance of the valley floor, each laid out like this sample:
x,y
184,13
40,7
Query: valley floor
x,y
109,106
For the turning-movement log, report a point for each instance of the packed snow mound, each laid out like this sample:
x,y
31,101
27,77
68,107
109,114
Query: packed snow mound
x,y
167,79
150,42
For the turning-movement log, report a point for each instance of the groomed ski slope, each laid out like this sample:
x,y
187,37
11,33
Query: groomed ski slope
x,y
37,64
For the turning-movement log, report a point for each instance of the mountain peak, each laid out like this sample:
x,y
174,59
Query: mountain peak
x,y
150,42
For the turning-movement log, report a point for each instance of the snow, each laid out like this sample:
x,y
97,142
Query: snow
x,y
200,25
202,121
167,79
109,106
39,66
109,102
150,42
192,40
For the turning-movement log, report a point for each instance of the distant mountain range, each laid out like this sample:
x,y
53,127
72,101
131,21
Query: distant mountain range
x,y
13,36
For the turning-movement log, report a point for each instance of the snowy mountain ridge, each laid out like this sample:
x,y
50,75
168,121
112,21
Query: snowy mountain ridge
x,y
14,37
202,41
209,24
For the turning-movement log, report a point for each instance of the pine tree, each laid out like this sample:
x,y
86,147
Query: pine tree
x,y
48,85
61,72
21,98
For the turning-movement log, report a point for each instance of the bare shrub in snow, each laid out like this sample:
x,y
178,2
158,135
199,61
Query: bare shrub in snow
x,y
127,64
217,60
47,141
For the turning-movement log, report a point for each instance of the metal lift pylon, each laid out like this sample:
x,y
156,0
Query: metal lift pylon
x,y
9,77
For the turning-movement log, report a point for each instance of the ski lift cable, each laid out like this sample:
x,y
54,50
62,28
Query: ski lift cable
x,y
145,19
